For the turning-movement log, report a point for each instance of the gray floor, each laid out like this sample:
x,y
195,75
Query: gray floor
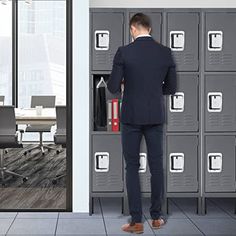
x,y
38,192
107,220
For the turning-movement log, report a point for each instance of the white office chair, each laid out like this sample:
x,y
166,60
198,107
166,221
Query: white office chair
x,y
46,102
2,99
8,139
60,135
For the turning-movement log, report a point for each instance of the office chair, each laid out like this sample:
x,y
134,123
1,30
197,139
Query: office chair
x,y
46,102
60,135
2,98
8,139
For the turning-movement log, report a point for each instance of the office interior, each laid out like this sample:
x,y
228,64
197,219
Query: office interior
x,y
34,78
26,27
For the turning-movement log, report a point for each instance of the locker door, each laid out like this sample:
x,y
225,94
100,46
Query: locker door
x,y
182,108
220,107
220,38
107,36
182,163
156,20
182,38
220,164
144,171
106,164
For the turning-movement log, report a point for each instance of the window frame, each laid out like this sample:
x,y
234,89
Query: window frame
x,y
69,69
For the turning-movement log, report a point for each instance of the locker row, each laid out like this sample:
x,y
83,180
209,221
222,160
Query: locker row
x,y
182,164
181,31
182,109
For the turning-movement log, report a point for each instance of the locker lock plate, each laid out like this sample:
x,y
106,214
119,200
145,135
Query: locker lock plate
x,y
102,39
214,162
176,102
177,162
215,40
215,102
101,161
177,40
143,162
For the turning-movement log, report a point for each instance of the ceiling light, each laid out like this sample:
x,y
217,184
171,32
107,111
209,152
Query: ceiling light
x,y
4,2
28,1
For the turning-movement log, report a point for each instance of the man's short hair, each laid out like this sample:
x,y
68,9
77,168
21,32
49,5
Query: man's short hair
x,y
140,19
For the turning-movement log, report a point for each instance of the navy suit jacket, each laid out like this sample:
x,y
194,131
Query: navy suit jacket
x,y
147,70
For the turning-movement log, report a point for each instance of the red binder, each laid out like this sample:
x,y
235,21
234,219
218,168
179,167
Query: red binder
x,y
115,115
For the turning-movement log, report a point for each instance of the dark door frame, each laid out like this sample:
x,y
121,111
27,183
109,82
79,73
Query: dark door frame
x,y
69,96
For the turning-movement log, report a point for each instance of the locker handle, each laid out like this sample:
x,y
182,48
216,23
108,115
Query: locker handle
x,y
176,102
176,162
215,40
214,101
102,39
101,160
215,162
142,162
177,40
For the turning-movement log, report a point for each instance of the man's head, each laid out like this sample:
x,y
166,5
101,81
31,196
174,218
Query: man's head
x,y
139,24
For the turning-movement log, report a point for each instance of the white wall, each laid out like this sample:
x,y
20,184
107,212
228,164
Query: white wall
x,y
80,105
163,3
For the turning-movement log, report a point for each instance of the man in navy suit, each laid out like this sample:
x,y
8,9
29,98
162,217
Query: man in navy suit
x,y
147,70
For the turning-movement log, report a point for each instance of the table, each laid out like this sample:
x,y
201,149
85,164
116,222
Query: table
x,y
29,116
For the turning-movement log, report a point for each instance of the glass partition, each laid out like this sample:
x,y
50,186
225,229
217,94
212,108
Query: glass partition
x,y
6,53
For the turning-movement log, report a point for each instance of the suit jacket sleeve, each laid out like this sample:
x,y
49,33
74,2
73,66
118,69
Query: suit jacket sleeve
x,y
117,74
170,81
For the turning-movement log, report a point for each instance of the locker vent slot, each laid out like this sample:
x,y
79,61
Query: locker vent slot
x,y
220,59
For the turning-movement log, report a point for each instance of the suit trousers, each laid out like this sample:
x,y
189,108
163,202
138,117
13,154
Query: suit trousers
x,y
131,135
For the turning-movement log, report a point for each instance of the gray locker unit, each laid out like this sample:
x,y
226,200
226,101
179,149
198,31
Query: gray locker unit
x,y
144,171
220,97
183,39
182,107
182,163
220,164
220,35
107,164
199,146
107,36
156,19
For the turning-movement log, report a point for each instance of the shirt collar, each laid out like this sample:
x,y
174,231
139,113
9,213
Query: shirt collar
x,y
143,35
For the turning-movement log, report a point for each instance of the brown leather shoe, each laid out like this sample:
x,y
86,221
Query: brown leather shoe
x,y
156,224
133,228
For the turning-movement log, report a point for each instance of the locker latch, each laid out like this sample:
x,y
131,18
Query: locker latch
x,y
102,38
215,102
177,162
177,102
143,162
215,40
215,162
101,161
177,40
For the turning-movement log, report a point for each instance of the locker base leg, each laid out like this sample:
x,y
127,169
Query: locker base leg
x,y
199,205
165,206
91,206
203,207
235,206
